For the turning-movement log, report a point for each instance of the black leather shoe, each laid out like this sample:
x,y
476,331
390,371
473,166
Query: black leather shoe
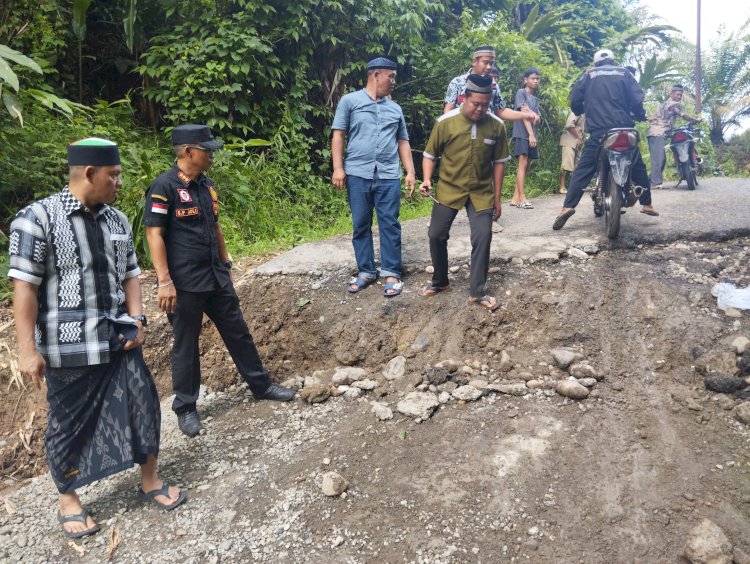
x,y
276,393
189,423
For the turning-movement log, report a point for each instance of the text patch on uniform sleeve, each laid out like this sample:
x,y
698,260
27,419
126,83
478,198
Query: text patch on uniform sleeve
x,y
159,208
186,212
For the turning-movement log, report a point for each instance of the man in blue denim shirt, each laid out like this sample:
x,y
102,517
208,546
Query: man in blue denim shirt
x,y
377,139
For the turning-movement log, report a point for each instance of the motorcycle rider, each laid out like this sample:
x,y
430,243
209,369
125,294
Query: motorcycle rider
x,y
662,123
610,97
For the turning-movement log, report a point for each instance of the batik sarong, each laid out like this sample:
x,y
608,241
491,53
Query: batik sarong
x,y
102,419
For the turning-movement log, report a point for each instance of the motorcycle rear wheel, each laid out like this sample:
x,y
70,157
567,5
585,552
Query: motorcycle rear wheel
x,y
688,174
612,207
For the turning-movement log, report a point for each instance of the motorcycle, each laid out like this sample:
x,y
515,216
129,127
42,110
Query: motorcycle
x,y
682,142
614,187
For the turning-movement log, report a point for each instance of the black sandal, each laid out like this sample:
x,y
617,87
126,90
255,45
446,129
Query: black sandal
x,y
81,517
163,490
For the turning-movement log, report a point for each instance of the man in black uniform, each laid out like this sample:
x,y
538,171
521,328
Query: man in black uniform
x,y
610,97
193,270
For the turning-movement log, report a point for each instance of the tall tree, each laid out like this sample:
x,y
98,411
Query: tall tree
x,y
726,82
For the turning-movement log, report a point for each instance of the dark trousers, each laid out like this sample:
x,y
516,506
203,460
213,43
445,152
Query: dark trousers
x,y
223,308
586,169
480,226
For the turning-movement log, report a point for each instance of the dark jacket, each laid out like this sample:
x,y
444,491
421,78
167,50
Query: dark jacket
x,y
609,96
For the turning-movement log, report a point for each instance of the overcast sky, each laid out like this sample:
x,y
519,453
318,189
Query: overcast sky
x,y
682,14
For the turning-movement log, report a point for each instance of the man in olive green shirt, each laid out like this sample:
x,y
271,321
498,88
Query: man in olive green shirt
x,y
472,147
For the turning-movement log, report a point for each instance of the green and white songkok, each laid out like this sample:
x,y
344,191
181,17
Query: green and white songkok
x,y
93,151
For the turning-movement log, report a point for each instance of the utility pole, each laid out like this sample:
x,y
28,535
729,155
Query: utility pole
x,y
698,77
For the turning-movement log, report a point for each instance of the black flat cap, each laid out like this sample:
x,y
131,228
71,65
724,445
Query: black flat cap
x,y
193,134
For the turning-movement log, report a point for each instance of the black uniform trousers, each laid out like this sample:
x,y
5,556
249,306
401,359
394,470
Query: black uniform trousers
x,y
586,169
223,308
480,226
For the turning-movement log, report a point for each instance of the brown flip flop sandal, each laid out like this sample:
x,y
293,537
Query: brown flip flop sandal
x,y
486,302
562,219
433,290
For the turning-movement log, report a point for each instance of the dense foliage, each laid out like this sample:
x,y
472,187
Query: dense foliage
x,y
267,76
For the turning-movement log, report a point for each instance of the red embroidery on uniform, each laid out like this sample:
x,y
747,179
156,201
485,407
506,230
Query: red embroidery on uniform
x,y
186,212
184,177
214,193
184,195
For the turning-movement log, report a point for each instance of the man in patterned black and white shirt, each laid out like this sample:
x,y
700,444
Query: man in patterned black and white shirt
x,y
78,311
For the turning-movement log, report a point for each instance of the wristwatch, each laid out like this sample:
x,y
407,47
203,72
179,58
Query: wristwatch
x,y
142,318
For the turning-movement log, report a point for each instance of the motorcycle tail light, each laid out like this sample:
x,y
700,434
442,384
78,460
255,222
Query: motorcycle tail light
x,y
679,137
620,141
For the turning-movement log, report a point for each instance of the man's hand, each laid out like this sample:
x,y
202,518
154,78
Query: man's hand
x,y
32,367
530,115
137,342
532,140
166,298
425,188
498,210
410,183
339,179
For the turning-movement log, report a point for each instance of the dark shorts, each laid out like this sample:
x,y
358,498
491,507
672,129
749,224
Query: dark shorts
x,y
522,148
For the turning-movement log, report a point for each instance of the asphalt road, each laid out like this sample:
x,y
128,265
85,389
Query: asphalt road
x,y
718,209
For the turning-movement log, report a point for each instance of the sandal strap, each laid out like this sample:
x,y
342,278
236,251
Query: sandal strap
x,y
81,517
163,490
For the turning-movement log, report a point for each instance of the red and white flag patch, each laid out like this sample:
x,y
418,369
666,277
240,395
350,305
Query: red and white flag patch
x,y
159,208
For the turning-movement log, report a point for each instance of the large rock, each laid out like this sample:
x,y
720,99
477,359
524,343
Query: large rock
x,y
448,364
572,389
365,384
505,363
333,484
742,412
315,394
437,375
395,369
578,253
510,388
418,404
382,411
707,544
583,370
724,384
741,344
564,356
467,393
347,375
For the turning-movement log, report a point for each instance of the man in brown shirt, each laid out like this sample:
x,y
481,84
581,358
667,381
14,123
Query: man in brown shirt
x,y
472,147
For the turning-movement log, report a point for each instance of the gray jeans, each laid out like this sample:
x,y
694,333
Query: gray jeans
x,y
658,159
480,225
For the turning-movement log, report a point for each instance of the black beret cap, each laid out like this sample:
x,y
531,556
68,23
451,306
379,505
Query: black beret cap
x,y
93,151
192,134
381,63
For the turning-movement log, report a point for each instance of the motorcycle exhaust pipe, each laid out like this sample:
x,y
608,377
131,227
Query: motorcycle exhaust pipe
x,y
638,191
699,160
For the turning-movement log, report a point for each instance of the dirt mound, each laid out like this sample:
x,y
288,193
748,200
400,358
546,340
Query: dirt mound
x,y
620,476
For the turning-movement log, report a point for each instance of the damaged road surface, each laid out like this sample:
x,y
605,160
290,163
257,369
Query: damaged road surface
x,y
571,425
